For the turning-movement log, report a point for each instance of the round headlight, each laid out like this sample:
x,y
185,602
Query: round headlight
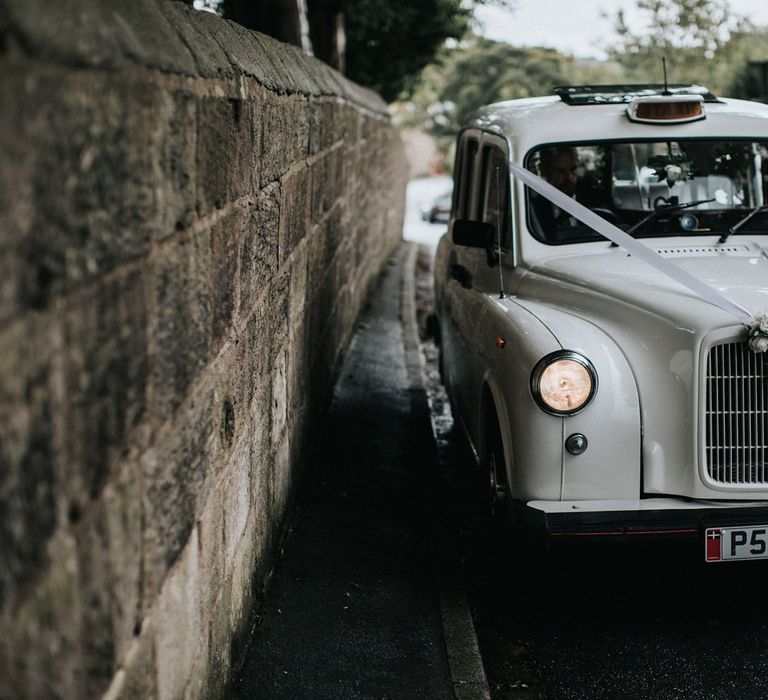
x,y
563,383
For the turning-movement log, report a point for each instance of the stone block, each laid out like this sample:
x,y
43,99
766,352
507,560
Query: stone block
x,y
256,350
179,628
178,473
277,314
106,369
109,541
331,123
327,184
17,195
39,647
227,151
226,238
279,399
294,211
97,633
285,135
175,151
260,240
181,326
138,676
282,480
93,201
210,530
30,450
237,494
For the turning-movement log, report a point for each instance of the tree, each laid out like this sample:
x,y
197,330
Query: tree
x,y
480,71
382,44
690,34
390,41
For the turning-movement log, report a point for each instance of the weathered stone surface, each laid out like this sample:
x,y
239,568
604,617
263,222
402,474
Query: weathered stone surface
x,y
177,476
189,220
285,135
327,183
107,34
138,676
259,252
29,458
194,29
106,368
237,503
176,135
39,648
227,152
178,626
225,245
92,191
181,326
294,224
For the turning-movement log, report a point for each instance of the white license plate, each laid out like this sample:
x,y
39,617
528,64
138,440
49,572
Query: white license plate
x,y
732,543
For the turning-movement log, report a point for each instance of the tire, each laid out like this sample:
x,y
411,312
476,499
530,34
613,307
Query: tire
x,y
495,466
511,541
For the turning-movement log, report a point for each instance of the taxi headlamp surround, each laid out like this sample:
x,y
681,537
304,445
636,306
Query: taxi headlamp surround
x,y
563,383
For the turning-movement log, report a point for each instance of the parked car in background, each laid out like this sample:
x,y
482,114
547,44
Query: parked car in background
x,y
604,399
439,210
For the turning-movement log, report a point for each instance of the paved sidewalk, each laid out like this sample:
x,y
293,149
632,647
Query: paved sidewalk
x,y
353,610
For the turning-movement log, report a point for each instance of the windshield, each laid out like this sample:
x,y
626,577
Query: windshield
x,y
695,187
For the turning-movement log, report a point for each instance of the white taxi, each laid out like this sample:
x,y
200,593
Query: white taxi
x,y
598,299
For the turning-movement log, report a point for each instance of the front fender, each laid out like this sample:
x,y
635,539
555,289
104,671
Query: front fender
x,y
538,466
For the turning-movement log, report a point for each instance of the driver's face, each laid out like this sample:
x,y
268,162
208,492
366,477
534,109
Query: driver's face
x,y
561,171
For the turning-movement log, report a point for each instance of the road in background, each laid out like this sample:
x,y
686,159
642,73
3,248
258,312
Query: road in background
x,y
420,194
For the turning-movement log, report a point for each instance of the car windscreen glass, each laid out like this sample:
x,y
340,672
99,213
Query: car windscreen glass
x,y
697,187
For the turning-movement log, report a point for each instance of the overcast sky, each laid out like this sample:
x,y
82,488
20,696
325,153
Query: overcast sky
x,y
576,26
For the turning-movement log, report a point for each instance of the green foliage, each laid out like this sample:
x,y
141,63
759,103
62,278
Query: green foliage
x,y
702,40
479,71
389,41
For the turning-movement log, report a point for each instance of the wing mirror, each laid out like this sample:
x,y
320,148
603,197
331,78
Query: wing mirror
x,y
476,234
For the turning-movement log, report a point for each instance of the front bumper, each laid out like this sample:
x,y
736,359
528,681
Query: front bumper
x,y
642,519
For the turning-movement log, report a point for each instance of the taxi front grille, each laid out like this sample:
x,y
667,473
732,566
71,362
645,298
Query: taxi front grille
x,y
737,415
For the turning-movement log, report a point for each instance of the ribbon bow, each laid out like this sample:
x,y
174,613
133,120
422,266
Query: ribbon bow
x,y
758,333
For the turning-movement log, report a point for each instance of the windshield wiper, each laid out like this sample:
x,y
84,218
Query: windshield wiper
x,y
742,222
663,209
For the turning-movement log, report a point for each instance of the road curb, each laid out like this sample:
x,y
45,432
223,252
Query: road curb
x,y
468,677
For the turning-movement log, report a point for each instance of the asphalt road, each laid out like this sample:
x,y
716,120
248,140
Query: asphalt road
x,y
639,622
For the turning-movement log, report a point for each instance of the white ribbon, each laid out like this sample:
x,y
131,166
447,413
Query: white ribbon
x,y
632,246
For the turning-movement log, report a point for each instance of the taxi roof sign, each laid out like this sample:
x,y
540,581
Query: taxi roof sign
x,y
666,109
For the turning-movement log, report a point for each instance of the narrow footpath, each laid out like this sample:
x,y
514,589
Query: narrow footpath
x,y
355,609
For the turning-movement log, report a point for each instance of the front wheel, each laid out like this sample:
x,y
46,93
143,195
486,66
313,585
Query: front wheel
x,y
497,476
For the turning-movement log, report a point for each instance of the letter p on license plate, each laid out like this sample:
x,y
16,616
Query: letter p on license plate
x,y
729,543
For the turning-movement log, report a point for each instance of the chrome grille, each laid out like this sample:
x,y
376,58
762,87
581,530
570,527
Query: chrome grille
x,y
737,415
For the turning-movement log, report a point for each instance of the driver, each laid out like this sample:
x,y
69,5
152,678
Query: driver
x,y
559,166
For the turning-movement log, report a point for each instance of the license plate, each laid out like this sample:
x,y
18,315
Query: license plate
x,y
733,543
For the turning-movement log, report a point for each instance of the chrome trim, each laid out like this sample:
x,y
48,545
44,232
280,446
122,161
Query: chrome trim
x,y
735,416
547,360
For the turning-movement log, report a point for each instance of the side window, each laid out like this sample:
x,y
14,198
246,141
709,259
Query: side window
x,y
495,201
465,171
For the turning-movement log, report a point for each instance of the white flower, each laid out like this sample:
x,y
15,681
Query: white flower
x,y
758,343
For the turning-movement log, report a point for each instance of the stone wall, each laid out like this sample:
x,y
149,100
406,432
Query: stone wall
x,y
190,217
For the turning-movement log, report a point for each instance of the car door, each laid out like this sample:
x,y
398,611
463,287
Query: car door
x,y
482,194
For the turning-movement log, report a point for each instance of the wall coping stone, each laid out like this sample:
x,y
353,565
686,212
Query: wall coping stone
x,y
169,36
